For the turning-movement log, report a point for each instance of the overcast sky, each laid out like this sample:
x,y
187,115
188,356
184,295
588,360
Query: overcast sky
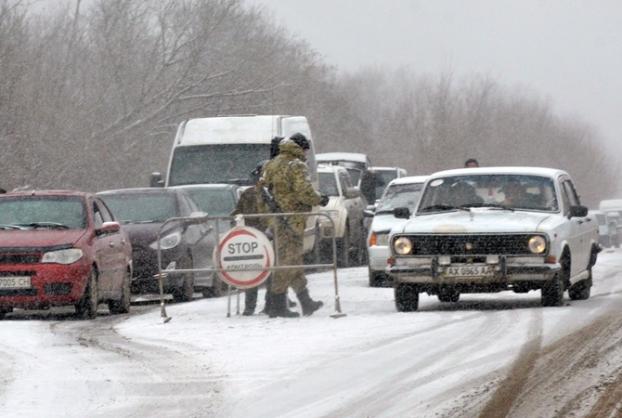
x,y
568,52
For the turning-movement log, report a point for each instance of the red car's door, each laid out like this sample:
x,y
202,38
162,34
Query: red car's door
x,y
105,252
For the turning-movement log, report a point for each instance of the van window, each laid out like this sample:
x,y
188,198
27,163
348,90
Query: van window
x,y
219,163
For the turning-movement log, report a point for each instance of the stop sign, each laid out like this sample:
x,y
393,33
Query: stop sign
x,y
244,255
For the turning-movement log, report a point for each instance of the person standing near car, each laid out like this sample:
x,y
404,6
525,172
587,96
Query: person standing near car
x,y
286,178
247,205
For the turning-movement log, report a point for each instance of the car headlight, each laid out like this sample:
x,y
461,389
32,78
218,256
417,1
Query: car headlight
x,y
168,241
68,256
403,246
537,244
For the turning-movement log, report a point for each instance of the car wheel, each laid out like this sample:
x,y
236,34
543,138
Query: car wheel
x,y
122,305
219,288
582,289
87,306
343,249
406,297
449,295
5,311
553,292
186,291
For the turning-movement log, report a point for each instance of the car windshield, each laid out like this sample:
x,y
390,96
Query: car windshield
x,y
400,195
215,202
142,207
27,212
382,179
222,163
501,191
328,184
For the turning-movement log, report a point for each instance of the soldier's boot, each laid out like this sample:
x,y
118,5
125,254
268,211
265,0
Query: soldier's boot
x,y
278,307
250,302
308,305
267,303
291,303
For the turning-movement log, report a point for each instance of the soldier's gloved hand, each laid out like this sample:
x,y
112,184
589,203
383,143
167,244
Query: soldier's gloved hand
x,y
324,200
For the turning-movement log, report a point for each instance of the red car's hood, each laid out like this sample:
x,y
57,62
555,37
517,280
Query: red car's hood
x,y
39,237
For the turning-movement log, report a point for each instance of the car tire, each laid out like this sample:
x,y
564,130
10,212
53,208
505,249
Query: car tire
x,y
86,308
218,289
582,289
4,312
186,291
122,305
553,292
406,297
343,249
375,279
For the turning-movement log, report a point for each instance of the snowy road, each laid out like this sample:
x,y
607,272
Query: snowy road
x,y
487,355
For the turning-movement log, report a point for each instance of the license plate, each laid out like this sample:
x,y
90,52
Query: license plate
x,y
470,271
15,282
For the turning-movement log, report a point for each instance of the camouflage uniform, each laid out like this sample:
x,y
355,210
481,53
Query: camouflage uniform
x,y
287,178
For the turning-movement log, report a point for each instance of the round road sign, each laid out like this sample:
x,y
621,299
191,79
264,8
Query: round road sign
x,y
244,255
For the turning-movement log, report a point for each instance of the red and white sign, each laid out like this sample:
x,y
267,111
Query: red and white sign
x,y
244,255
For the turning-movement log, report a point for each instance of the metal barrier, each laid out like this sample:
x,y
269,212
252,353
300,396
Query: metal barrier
x,y
162,273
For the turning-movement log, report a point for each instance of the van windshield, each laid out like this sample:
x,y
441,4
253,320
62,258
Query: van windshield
x,y
221,163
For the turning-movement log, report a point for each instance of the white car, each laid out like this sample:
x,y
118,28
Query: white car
x,y
383,176
401,192
494,229
345,207
607,227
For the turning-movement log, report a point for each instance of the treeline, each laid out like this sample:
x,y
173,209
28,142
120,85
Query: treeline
x,y
90,98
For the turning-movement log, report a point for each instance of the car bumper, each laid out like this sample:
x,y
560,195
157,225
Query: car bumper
x,y
378,255
504,272
50,285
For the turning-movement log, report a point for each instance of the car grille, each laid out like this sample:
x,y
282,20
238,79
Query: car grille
x,y
19,257
471,244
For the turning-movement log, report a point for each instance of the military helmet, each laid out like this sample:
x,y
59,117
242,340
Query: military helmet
x,y
300,140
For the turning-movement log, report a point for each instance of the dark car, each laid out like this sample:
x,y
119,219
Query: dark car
x,y
142,212
62,248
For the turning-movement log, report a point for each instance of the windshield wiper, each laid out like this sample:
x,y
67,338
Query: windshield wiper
x,y
444,207
489,205
44,225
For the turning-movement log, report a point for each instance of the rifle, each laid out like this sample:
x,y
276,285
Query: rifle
x,y
274,207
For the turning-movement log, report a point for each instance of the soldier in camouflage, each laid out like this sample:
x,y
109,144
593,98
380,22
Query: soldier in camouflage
x,y
287,179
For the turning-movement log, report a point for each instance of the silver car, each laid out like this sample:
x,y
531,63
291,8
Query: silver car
x,y
401,192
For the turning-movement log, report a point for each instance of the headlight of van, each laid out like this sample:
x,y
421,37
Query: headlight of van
x,y
402,246
68,256
537,244
168,241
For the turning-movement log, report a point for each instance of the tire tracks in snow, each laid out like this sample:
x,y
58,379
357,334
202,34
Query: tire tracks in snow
x,y
143,380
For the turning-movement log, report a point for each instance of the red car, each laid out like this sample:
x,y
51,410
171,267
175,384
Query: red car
x,y
62,248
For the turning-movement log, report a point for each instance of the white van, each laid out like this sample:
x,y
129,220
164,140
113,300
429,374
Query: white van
x,y
226,149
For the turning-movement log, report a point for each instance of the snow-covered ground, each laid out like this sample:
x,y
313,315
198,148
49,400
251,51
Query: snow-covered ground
x,y
445,360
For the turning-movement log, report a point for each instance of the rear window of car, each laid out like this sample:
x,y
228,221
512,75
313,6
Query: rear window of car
x,y
143,208
63,212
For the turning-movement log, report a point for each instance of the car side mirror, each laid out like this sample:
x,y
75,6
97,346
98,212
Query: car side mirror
x,y
578,211
155,180
352,192
108,228
401,213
